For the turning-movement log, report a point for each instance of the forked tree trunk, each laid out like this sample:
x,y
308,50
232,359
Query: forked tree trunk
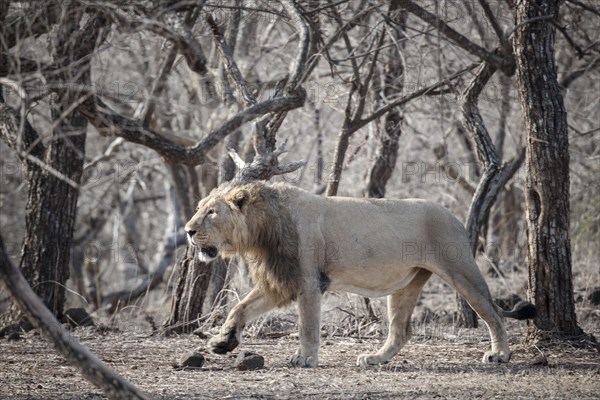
x,y
547,161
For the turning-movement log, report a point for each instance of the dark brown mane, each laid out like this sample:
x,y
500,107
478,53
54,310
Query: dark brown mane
x,y
274,262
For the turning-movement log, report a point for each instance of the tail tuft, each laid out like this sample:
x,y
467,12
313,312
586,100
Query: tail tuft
x,y
522,310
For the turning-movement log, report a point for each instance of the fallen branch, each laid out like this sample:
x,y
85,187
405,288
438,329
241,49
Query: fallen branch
x,y
92,368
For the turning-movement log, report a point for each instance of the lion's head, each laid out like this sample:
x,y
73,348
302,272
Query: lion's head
x,y
250,220
219,226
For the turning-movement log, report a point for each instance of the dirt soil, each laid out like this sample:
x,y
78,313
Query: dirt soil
x,y
436,363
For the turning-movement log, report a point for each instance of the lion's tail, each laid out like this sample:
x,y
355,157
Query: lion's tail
x,y
522,310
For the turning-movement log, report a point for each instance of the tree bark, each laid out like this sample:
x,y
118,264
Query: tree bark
x,y
547,163
53,185
189,293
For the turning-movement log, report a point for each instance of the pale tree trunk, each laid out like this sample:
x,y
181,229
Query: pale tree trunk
x,y
547,161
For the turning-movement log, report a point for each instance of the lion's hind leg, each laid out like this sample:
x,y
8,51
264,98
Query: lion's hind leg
x,y
400,308
471,285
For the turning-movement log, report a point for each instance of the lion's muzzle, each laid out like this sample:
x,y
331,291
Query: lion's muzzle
x,y
207,252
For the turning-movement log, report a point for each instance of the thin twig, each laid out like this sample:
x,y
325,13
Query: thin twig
x,y
230,65
494,22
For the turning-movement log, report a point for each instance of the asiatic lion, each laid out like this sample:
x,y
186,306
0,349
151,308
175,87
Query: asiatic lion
x,y
298,245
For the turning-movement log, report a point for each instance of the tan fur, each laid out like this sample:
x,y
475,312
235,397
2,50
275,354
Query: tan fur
x,y
298,245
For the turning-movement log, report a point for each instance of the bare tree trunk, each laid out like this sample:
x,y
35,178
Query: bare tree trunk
x,y
393,76
494,175
52,195
547,180
189,293
193,276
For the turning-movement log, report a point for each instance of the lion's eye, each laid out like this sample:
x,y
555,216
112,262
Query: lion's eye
x,y
211,211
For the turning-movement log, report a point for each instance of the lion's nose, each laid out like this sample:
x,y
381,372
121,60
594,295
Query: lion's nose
x,y
190,232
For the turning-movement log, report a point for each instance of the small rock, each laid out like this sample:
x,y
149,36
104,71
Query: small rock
x,y
193,360
200,333
594,296
539,360
77,317
248,361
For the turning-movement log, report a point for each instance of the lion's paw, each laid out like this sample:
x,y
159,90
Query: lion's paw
x,y
495,357
223,342
298,360
364,360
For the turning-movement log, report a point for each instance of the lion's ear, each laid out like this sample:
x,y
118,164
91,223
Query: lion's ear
x,y
239,198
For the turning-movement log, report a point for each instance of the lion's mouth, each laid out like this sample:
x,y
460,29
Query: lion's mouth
x,y
208,253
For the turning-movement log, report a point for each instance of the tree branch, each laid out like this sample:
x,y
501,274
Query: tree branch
x,y
109,123
472,120
299,65
186,42
405,99
171,26
506,64
495,25
230,64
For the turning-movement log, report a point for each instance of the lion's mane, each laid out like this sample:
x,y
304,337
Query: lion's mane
x,y
272,250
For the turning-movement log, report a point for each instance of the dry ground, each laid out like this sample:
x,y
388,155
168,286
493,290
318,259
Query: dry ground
x,y
439,362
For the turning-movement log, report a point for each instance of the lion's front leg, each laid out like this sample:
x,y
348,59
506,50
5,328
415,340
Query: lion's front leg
x,y
309,311
257,302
